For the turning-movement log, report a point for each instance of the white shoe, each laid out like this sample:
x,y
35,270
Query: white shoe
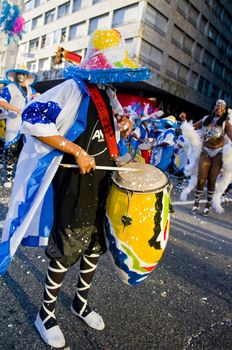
x,y
93,319
52,336
7,184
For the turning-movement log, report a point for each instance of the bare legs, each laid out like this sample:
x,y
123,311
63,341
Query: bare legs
x,y
208,170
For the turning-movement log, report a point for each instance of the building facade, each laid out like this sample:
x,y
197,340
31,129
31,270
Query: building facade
x,y
186,43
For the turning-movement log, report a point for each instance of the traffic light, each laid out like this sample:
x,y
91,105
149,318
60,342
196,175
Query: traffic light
x,y
59,55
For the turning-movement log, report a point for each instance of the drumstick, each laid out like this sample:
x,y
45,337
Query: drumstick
x,y
101,167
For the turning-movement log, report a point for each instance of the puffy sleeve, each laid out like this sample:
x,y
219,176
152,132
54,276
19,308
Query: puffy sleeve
x,y
50,111
5,95
39,119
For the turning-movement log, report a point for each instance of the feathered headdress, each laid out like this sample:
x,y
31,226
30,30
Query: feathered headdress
x,y
11,21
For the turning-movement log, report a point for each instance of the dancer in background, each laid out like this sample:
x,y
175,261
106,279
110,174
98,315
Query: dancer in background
x,y
14,98
72,123
161,156
215,127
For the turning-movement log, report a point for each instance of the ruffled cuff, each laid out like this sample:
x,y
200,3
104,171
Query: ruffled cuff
x,y
39,130
39,119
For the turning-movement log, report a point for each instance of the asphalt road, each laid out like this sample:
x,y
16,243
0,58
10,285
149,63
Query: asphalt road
x,y
186,303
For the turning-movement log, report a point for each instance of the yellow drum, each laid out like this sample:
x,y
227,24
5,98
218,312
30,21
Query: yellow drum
x,y
137,221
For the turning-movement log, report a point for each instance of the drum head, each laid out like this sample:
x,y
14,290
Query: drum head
x,y
147,179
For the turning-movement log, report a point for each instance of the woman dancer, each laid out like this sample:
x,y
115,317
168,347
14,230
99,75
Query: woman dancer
x,y
214,127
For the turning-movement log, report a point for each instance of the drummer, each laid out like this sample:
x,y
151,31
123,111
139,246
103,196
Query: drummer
x,y
73,123
162,153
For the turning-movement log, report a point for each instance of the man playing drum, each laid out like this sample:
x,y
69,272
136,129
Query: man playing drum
x,y
73,123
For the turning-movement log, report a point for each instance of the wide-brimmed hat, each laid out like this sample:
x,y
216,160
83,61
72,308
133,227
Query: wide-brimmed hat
x,y
11,75
107,61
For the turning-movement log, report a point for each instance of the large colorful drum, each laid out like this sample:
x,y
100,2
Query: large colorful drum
x,y
137,221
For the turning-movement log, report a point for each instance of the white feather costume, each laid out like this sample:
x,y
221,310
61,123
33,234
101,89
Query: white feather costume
x,y
226,173
193,143
193,146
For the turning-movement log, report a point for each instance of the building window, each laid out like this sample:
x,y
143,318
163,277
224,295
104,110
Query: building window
x,y
178,36
29,5
63,10
97,1
99,23
188,44
204,86
33,45
43,64
77,31
63,35
188,11
151,54
183,7
47,40
177,70
156,20
215,91
31,66
203,24
217,8
37,3
213,34
182,40
125,15
226,19
130,45
27,26
43,41
208,60
193,15
218,69
77,5
172,67
193,80
183,73
57,36
36,22
197,53
49,16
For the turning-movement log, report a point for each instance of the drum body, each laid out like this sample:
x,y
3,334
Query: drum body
x,y
145,149
137,224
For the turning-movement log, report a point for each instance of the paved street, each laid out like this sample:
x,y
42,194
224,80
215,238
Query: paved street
x,y
186,303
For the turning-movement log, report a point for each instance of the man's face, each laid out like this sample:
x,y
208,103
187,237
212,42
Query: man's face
x,y
219,109
182,116
21,78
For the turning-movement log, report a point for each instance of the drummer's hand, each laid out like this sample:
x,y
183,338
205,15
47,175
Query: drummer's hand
x,y
125,126
85,162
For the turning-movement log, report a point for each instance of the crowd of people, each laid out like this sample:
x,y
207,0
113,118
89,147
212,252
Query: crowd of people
x,y
196,153
157,138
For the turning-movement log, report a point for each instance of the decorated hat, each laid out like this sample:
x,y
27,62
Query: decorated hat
x,y
220,103
11,75
107,61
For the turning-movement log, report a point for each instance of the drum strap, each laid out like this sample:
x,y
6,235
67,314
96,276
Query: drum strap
x,y
105,120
